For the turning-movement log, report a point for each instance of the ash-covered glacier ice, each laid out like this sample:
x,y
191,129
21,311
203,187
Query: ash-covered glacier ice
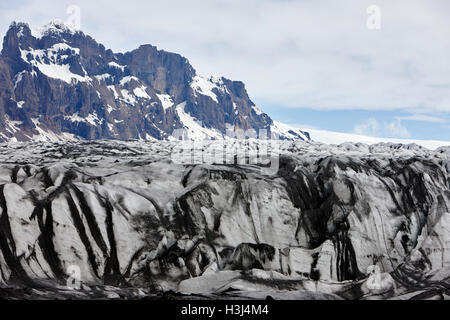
x,y
126,215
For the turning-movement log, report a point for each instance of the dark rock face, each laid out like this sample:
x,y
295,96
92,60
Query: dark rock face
x,y
60,84
166,72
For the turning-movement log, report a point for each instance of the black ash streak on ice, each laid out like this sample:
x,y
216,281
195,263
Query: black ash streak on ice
x,y
131,218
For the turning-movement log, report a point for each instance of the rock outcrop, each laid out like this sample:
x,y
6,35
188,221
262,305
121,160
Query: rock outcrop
x,y
58,84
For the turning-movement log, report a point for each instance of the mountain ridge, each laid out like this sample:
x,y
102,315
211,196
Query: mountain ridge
x,y
57,83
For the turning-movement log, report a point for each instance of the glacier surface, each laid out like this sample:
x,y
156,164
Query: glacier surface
x,y
351,221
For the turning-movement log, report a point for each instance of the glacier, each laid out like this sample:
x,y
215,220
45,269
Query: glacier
x,y
348,221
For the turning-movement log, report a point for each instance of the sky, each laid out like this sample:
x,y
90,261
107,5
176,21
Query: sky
x,y
330,65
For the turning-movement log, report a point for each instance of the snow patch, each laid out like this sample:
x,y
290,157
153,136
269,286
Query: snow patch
x,y
18,78
283,130
113,89
92,119
49,62
128,79
117,66
204,87
110,127
257,110
141,92
102,77
60,72
166,101
194,129
11,126
55,26
128,97
109,109
50,136
64,47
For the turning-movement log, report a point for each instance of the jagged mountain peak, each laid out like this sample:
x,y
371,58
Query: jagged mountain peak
x,y
57,82
54,27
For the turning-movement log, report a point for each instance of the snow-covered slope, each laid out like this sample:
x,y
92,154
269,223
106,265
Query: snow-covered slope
x,y
330,137
287,132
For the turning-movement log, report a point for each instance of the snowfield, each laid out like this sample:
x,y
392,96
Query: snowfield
x,y
331,137
330,222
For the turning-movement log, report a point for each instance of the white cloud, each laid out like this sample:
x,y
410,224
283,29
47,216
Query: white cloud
x,y
395,129
316,54
372,128
423,118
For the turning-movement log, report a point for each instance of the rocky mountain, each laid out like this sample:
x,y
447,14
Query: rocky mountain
x,y
58,84
333,222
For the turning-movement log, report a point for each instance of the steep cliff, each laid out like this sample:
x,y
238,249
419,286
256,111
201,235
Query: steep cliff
x,y
58,84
